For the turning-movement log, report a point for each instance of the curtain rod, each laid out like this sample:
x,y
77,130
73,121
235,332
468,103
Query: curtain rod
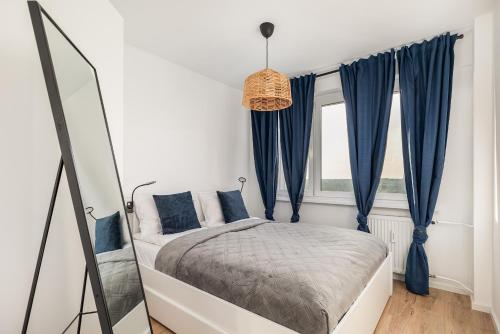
x,y
337,70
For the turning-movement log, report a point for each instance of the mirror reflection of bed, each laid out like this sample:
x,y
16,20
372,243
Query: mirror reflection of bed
x,y
117,265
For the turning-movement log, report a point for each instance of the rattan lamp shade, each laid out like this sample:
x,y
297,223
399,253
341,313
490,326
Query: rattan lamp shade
x,y
267,90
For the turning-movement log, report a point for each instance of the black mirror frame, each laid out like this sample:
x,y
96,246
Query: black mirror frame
x,y
36,12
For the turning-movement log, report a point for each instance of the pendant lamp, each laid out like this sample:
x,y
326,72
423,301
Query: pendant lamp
x,y
267,90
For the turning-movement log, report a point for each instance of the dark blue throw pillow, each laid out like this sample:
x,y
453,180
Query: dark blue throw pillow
x,y
177,213
232,205
108,233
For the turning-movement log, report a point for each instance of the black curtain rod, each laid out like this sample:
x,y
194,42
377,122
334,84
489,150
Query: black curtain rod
x,y
337,70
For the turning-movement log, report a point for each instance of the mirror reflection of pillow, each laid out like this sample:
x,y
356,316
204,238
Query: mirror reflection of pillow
x,y
108,234
177,212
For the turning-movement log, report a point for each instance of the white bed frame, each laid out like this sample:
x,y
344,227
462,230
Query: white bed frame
x,y
189,310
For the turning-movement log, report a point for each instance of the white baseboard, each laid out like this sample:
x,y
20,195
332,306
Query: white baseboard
x,y
496,322
479,307
439,283
487,309
443,284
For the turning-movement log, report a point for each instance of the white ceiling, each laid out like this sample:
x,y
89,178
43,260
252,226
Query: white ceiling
x,y
221,39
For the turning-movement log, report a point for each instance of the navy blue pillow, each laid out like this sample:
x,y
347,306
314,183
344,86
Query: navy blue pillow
x,y
108,233
232,205
177,213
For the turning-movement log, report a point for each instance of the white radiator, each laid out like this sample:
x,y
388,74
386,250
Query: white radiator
x,y
396,232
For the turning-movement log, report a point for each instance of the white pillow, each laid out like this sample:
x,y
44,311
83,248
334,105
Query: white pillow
x,y
145,209
198,209
147,213
211,209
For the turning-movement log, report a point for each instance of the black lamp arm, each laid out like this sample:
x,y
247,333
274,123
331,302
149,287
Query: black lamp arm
x,y
89,210
130,204
242,180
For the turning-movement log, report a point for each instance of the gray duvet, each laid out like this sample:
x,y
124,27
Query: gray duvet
x,y
120,281
302,276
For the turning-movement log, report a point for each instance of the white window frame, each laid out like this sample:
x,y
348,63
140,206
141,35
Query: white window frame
x,y
336,197
313,192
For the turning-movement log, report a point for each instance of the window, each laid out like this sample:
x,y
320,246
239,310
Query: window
x,y
329,170
392,180
335,164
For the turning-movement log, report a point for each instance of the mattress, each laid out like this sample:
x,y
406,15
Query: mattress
x,y
146,253
302,276
147,246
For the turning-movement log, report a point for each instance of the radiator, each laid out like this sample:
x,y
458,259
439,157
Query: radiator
x,y
396,232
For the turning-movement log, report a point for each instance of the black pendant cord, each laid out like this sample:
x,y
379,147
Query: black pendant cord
x,y
337,70
41,252
267,29
267,53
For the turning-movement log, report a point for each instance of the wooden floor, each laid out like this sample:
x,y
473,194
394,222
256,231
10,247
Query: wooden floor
x,y
159,329
406,313
440,312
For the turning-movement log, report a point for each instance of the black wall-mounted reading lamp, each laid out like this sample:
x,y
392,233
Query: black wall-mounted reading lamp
x,y
130,204
242,180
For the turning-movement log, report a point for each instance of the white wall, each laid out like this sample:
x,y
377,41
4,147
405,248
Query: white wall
x,y
30,153
450,247
483,165
496,225
184,130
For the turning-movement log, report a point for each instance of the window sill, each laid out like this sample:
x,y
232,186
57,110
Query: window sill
x,y
399,203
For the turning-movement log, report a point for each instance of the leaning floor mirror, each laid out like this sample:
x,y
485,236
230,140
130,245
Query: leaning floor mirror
x,y
90,166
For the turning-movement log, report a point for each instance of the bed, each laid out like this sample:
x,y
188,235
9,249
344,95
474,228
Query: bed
x,y
256,276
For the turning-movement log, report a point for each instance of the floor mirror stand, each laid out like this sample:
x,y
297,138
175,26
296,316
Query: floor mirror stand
x,y
38,266
90,166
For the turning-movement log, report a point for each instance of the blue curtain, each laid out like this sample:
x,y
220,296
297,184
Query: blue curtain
x,y
367,86
295,134
425,79
265,153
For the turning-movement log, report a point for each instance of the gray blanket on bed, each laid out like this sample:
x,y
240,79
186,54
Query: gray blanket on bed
x,y
120,281
302,276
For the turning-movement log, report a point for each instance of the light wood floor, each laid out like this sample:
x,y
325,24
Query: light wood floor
x,y
159,329
406,313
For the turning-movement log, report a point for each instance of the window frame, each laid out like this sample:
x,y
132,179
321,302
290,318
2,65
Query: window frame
x,y
313,192
341,197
